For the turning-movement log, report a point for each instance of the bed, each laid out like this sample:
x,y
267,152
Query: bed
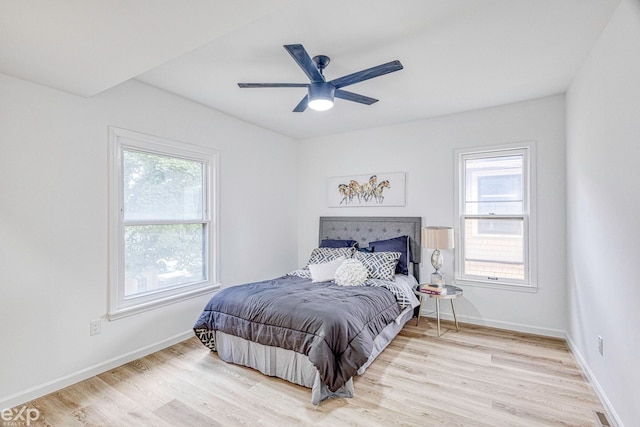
x,y
317,332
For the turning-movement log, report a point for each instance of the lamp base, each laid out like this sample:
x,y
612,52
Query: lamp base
x,y
437,279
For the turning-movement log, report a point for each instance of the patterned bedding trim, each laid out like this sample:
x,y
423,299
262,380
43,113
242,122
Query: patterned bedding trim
x,y
207,336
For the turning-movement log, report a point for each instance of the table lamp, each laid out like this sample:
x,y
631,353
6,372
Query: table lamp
x,y
437,238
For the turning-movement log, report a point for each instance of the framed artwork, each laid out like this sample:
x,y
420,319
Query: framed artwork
x,y
374,189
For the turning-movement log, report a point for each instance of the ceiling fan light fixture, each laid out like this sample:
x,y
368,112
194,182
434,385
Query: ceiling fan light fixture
x,y
320,92
321,104
321,96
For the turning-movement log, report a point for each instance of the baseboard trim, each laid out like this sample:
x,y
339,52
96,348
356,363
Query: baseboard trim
x,y
35,392
518,327
611,412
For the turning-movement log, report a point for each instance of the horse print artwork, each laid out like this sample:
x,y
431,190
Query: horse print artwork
x,y
369,191
376,189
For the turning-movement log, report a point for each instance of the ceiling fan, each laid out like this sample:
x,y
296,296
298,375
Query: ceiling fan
x,y
321,92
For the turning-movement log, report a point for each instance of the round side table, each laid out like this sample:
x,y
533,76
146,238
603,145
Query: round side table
x,y
453,292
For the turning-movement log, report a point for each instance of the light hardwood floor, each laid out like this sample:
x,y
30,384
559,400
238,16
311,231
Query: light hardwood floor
x,y
476,377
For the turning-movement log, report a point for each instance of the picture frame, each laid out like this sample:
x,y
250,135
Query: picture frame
x,y
367,190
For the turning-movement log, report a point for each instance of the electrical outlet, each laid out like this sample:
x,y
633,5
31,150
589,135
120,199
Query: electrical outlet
x,y
94,327
600,345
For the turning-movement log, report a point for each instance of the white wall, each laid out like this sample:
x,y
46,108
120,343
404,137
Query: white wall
x,y
603,150
53,225
425,151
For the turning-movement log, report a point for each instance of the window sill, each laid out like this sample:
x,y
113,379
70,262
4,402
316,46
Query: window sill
x,y
492,285
160,302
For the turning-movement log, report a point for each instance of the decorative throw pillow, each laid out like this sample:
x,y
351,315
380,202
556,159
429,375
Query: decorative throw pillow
x,y
397,244
325,272
351,273
337,243
322,255
381,265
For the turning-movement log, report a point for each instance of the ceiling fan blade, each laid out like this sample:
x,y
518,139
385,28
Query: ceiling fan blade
x,y
255,85
350,96
302,105
367,74
302,58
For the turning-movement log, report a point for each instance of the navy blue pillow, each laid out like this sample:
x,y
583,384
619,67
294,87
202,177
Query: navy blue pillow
x,y
397,244
336,243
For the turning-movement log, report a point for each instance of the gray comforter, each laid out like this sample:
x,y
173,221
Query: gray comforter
x,y
333,325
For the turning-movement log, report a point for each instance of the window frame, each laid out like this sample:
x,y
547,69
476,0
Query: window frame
x,y
528,216
119,141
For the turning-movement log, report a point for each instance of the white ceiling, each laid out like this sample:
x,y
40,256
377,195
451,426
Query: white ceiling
x,y
458,55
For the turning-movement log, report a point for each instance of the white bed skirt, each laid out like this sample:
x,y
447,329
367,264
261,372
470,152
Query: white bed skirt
x,y
295,367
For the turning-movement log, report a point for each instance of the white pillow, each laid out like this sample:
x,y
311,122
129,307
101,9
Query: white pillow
x,y
326,271
351,273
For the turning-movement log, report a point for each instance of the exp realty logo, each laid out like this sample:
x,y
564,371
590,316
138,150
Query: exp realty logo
x,y
18,417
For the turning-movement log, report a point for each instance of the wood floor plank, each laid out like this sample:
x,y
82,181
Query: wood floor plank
x,y
178,413
476,377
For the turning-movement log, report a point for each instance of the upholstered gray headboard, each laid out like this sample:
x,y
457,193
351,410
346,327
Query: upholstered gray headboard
x,y
365,229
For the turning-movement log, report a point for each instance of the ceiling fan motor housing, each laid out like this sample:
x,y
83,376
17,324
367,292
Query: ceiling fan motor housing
x,y
321,90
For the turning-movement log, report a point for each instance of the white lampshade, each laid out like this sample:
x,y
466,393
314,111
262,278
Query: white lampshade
x,y
437,237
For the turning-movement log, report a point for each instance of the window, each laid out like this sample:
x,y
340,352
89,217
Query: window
x,y
162,222
496,223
